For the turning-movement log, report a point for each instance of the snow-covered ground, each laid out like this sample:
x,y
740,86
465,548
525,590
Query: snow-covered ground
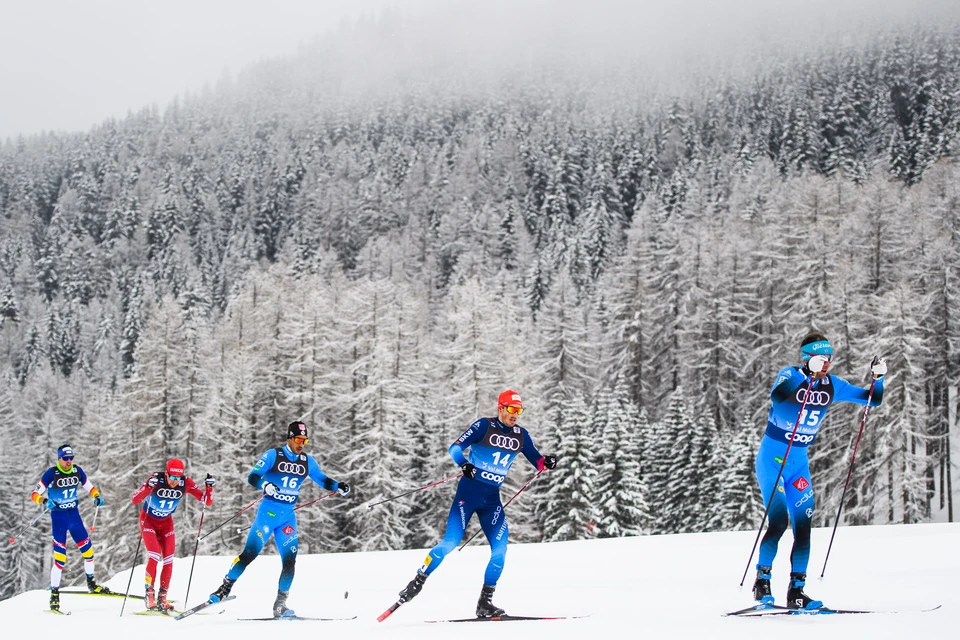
x,y
653,587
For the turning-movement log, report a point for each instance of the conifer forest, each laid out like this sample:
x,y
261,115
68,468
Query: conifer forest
x,y
637,260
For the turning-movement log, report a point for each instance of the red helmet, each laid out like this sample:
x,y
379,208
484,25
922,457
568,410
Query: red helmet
x,y
175,467
509,398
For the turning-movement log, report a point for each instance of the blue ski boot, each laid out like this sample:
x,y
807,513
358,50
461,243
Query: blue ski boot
x,y
761,586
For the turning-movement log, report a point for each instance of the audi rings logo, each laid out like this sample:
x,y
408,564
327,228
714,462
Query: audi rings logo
x,y
70,481
292,467
504,442
815,399
172,494
486,475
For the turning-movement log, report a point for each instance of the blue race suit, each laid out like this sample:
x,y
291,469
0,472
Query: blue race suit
x,y
793,502
275,516
493,449
62,487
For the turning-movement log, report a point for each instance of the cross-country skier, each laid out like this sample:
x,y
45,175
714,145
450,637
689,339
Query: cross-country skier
x,y
161,494
280,474
494,446
62,482
793,502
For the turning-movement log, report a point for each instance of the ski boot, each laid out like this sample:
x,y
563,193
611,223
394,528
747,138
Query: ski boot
x,y
93,587
280,609
162,604
761,586
222,591
150,598
54,599
486,608
796,598
413,587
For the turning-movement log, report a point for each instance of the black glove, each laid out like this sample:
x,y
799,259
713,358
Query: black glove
x,y
469,471
343,488
549,462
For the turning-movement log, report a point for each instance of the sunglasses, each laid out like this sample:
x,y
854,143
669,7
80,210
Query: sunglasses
x,y
516,410
301,440
176,478
67,458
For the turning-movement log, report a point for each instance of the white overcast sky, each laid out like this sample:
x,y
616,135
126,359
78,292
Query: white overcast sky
x,y
66,65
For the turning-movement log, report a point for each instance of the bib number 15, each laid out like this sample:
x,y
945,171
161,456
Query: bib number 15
x,y
811,418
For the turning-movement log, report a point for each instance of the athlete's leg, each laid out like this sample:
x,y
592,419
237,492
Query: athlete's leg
x,y
79,534
153,547
287,539
802,504
254,545
59,526
493,520
460,512
768,464
168,546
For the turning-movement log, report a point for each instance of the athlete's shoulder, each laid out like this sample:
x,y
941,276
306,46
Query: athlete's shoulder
x,y
77,469
48,475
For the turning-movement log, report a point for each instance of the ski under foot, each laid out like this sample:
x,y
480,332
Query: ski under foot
x,y
386,614
169,613
112,594
300,618
508,618
201,607
777,610
58,612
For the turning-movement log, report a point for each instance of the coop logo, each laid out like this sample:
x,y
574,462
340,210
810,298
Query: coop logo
x,y
814,398
486,475
800,438
172,494
292,467
801,483
504,442
282,497
67,505
70,481
806,498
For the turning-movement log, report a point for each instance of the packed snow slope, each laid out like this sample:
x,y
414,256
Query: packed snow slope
x,y
653,587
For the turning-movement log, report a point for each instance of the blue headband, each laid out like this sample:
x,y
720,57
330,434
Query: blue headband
x,y
64,451
818,348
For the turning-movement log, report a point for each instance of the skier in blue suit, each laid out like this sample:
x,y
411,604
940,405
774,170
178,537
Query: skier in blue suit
x,y
494,444
793,501
280,474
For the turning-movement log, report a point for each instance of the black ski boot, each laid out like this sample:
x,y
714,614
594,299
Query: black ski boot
x,y
93,587
222,591
796,598
280,609
413,587
54,599
761,586
486,608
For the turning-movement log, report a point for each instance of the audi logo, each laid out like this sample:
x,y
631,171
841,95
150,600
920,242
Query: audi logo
x,y
504,442
70,481
292,467
172,494
815,399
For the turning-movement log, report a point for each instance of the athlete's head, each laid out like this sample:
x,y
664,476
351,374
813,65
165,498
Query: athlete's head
x,y
174,471
65,457
509,407
297,436
815,344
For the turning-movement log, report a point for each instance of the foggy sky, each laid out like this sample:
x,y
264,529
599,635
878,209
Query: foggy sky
x,y
69,65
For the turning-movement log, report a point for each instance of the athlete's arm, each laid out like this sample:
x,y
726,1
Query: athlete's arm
x,y
530,450
843,391
318,476
263,464
788,381
471,436
45,480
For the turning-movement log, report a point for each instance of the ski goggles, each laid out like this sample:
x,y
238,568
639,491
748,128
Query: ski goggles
x,y
301,440
67,458
175,478
512,409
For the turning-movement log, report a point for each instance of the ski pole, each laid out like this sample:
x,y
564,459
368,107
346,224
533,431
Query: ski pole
x,y
306,504
203,509
776,483
133,565
93,525
14,537
217,528
843,495
477,532
426,486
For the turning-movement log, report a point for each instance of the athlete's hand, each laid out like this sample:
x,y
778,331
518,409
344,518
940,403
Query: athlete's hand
x,y
548,462
152,481
98,501
50,504
343,488
878,367
469,471
816,364
270,489
210,482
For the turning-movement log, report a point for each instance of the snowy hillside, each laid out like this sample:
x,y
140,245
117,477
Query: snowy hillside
x,y
663,586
